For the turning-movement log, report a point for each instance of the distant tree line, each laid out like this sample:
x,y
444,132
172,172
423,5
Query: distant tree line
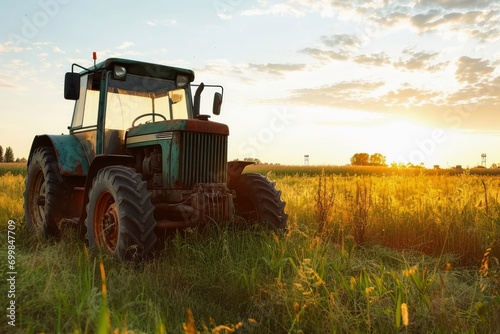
x,y
257,161
365,159
8,156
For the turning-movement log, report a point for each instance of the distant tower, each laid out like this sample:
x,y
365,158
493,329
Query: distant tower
x,y
483,159
306,160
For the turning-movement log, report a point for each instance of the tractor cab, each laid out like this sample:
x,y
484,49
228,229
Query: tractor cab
x,y
119,94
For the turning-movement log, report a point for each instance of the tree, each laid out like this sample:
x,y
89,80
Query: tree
x,y
255,160
360,159
1,153
9,155
377,159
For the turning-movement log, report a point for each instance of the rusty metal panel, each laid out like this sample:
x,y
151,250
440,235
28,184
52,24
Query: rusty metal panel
x,y
235,168
192,125
71,156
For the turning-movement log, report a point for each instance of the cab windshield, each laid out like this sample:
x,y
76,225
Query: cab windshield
x,y
138,95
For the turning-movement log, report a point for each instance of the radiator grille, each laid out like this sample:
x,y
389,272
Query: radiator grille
x,y
204,158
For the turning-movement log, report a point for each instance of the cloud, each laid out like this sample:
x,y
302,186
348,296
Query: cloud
x,y
427,20
10,81
419,61
441,108
161,22
7,85
345,94
343,47
335,47
283,9
482,25
247,73
479,19
276,69
453,4
341,41
477,92
435,18
326,54
374,59
390,18
298,8
9,47
16,64
480,100
125,45
407,95
472,70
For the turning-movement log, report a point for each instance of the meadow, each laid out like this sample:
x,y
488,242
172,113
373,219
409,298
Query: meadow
x,y
14,168
383,252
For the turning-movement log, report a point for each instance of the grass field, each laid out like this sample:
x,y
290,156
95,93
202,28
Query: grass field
x,y
14,168
381,253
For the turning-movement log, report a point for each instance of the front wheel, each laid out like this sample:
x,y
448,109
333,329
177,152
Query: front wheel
x,y
258,200
44,197
120,216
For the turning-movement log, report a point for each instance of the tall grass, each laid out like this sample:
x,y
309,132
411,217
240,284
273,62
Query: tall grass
x,y
349,170
224,278
14,168
432,214
11,198
254,280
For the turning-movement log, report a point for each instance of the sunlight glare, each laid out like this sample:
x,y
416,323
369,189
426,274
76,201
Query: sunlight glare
x,y
397,140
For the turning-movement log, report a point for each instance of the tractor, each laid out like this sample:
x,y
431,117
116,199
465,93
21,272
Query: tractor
x,y
140,158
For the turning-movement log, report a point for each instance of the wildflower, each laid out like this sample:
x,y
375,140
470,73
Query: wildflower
x,y
410,271
352,282
404,314
188,326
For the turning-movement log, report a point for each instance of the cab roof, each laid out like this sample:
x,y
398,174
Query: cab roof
x,y
142,69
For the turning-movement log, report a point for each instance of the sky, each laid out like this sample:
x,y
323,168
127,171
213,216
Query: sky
x,y
415,80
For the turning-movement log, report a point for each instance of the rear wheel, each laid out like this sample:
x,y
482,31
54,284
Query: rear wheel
x,y
120,214
44,199
258,200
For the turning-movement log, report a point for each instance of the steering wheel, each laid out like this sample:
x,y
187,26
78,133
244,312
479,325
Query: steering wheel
x,y
148,114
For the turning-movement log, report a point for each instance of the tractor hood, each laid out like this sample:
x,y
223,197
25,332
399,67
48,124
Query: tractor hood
x,y
188,125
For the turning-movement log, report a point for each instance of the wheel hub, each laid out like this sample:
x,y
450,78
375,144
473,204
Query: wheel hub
x,y
106,224
109,220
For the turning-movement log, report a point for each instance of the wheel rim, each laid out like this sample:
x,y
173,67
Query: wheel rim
x,y
37,200
106,222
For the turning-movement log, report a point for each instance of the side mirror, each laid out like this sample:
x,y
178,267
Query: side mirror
x,y
217,103
72,86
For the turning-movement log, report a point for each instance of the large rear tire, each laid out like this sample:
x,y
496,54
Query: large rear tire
x,y
44,199
120,216
258,200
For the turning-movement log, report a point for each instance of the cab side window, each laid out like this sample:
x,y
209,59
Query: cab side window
x,y
87,106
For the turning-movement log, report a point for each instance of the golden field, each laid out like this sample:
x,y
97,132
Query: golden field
x,y
364,252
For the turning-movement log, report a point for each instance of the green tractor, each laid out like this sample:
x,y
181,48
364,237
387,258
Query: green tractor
x,y
139,158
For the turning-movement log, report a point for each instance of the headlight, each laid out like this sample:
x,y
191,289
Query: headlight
x,y
119,72
181,80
